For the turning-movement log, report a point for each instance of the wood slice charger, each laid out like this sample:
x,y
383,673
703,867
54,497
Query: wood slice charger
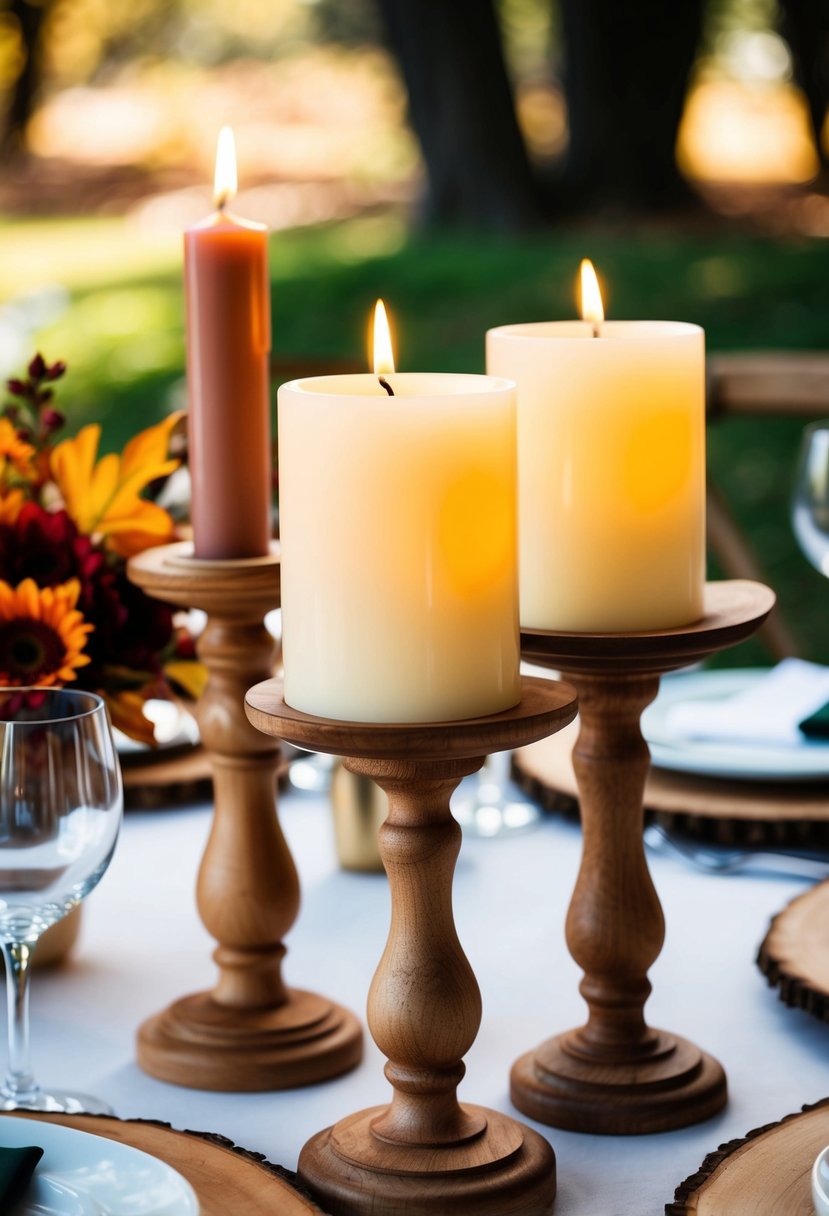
x,y
767,1173
794,955
713,810
228,1181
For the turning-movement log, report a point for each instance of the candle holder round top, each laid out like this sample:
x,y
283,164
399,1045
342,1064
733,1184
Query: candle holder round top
x,y
615,1074
425,1152
251,1031
733,610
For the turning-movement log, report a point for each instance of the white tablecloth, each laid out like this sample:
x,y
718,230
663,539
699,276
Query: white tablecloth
x,y
143,945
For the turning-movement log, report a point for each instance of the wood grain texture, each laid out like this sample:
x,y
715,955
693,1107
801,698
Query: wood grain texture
x,y
770,382
734,609
545,706
794,955
226,1179
615,1074
250,1032
765,1173
425,1152
750,813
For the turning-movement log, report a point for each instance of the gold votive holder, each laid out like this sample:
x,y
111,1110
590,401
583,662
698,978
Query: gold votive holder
x,y
359,808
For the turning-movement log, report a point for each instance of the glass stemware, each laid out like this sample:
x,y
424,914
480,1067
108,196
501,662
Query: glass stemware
x,y
810,503
60,811
488,805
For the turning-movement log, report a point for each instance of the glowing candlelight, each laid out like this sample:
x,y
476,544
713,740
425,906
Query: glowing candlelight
x,y
611,468
592,308
398,535
225,183
383,354
228,341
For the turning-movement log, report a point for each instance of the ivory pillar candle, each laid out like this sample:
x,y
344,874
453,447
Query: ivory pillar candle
x,y
398,535
611,457
227,293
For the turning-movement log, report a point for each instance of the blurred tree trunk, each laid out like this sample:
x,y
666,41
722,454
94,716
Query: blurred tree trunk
x,y
806,29
31,18
462,111
627,67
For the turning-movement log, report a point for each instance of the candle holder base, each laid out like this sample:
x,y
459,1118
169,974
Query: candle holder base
x,y
251,1032
615,1075
503,1168
199,1043
424,1153
675,1086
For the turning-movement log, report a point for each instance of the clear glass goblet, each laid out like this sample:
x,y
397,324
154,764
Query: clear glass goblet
x,y
489,805
810,503
60,810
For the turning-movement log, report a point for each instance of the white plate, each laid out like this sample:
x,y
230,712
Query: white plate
x,y
808,761
820,1183
84,1175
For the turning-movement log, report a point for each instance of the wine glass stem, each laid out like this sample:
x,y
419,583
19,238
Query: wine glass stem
x,y
19,1082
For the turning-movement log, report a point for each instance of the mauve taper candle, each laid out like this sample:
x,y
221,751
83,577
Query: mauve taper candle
x,y
227,293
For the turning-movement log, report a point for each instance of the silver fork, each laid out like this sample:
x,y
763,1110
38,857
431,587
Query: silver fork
x,y
716,859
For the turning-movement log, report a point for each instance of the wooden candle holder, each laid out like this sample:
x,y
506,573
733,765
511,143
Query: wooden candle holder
x,y
250,1032
425,1153
615,1075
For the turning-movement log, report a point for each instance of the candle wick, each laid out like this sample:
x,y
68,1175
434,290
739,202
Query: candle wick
x,y
386,385
597,333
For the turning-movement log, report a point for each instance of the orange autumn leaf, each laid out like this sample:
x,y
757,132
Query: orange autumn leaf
x,y
102,497
15,454
10,505
188,674
126,709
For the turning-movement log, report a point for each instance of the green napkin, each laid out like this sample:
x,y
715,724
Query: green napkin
x,y
816,726
16,1168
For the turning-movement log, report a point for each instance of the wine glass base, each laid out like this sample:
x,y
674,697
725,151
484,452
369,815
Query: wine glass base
x,y
56,1102
489,805
497,819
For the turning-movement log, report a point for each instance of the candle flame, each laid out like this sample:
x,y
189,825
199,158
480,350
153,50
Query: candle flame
x,y
383,352
224,187
592,308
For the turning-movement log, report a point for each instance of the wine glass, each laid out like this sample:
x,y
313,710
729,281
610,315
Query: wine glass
x,y
60,811
489,805
810,504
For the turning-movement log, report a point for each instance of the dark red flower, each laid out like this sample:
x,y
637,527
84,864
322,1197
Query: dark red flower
x,y
185,645
14,700
40,545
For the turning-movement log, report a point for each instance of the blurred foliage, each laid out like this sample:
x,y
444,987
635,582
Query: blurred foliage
x,y
354,24
90,41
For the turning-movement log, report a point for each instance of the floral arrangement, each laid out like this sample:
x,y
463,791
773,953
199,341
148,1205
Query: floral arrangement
x,y
68,522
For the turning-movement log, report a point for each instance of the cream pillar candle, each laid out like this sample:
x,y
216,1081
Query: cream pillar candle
x,y
398,534
611,457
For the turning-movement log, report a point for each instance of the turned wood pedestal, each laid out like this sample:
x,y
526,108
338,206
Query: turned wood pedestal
x,y
615,1074
425,1154
251,1031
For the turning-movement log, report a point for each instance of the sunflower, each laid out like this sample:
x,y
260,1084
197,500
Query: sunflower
x,y
42,634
